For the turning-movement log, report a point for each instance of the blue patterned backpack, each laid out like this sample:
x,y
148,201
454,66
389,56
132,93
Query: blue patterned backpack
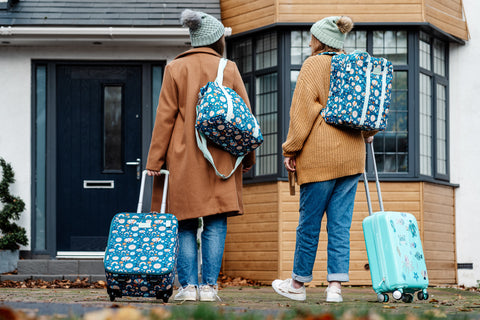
x,y
224,118
360,91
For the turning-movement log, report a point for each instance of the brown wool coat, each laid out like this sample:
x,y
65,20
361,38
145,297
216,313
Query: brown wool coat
x,y
194,188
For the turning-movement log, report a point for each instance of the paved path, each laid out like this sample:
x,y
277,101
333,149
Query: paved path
x,y
442,301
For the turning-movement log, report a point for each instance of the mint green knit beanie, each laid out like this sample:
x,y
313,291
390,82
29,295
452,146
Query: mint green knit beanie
x,y
204,28
332,31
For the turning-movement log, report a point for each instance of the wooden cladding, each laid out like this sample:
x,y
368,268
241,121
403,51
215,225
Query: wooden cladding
x,y
260,244
243,15
447,15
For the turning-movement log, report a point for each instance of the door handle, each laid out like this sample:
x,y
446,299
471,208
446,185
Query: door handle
x,y
137,163
133,163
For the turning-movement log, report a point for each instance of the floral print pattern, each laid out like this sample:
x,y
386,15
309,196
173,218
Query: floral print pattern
x,y
360,91
238,135
141,253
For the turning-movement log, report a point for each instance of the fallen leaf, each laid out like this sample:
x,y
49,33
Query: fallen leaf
x,y
104,314
160,313
411,317
128,314
7,314
435,313
374,316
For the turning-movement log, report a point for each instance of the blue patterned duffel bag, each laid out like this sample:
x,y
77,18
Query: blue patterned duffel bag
x,y
360,91
225,119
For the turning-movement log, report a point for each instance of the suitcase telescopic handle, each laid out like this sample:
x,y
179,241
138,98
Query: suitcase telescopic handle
x,y
365,180
142,190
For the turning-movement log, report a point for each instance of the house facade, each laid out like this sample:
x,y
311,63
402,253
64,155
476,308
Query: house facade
x,y
413,155
79,84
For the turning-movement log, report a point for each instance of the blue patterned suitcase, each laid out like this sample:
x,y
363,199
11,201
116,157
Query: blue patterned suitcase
x,y
140,258
395,253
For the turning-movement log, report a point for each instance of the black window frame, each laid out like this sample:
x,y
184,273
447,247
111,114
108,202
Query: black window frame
x,y
250,79
442,80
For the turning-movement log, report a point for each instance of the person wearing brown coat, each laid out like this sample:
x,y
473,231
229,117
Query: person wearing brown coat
x,y
194,189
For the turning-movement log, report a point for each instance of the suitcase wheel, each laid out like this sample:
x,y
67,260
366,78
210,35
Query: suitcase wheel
x,y
112,293
382,297
422,295
407,298
397,294
164,295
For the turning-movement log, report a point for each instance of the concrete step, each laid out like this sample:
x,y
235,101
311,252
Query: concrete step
x,y
52,277
49,270
56,267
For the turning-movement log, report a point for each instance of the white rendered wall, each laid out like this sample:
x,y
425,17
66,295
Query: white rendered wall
x,y
15,125
15,102
464,146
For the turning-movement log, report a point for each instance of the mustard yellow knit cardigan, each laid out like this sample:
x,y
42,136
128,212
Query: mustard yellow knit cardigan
x,y
323,152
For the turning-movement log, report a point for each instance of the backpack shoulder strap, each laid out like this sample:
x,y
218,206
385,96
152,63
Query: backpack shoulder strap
x,y
221,66
328,53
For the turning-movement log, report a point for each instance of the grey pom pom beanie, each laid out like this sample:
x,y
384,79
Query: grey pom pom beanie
x,y
204,28
326,30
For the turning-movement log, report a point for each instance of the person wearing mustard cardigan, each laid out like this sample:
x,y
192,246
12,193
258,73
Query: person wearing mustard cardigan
x,y
328,161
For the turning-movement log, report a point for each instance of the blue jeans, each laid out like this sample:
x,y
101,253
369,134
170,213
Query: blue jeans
x,y
335,197
213,243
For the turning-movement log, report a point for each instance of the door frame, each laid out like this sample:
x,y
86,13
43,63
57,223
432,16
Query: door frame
x,y
147,114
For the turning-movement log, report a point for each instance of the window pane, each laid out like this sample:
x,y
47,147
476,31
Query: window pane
x,y
300,49
439,60
425,51
266,51
112,134
425,125
293,82
40,157
242,55
267,113
157,78
356,40
391,45
441,129
391,146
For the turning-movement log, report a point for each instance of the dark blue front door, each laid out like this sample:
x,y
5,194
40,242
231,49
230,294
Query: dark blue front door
x,y
98,146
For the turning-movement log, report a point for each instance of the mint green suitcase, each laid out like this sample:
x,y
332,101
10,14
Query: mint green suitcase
x,y
395,253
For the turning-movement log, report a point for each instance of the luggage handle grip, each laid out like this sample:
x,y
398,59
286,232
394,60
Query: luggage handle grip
x,y
142,190
365,180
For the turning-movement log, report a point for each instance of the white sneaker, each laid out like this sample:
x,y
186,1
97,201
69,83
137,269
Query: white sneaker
x,y
285,288
208,293
334,294
188,293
